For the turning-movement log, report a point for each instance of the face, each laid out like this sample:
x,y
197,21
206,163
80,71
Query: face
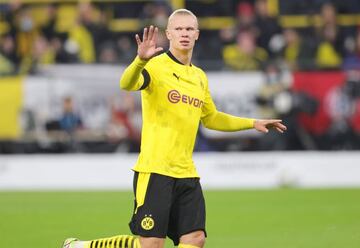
x,y
68,105
182,32
261,7
246,41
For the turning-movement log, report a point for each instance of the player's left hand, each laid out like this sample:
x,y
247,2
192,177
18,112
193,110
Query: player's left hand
x,y
265,125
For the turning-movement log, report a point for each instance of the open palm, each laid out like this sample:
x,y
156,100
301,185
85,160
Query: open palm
x,y
147,47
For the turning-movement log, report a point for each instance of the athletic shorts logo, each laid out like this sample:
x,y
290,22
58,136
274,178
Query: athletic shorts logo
x,y
175,96
147,223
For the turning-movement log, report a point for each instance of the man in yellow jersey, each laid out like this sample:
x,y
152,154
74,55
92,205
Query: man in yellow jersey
x,y
175,99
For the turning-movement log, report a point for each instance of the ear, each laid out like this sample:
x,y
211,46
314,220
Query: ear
x,y
168,36
197,34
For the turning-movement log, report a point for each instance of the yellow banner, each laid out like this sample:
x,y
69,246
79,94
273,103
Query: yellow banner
x,y
10,107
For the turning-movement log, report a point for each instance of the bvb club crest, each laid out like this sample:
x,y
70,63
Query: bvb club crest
x,y
147,223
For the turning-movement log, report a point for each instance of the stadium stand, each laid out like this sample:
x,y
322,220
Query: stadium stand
x,y
296,45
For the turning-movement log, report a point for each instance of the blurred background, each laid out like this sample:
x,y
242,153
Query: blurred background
x,y
294,60
66,125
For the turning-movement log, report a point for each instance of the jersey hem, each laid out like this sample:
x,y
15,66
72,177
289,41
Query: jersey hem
x,y
166,174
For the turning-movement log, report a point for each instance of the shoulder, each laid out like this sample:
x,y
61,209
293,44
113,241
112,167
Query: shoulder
x,y
201,76
156,63
158,59
198,70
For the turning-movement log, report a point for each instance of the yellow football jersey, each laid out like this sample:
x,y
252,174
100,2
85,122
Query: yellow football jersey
x,y
172,104
175,98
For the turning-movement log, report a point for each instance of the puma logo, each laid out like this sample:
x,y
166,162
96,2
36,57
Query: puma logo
x,y
177,77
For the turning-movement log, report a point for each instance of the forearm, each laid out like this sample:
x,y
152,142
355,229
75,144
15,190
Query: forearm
x,y
228,123
131,79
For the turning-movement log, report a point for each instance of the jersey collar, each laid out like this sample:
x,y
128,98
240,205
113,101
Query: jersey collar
x,y
174,59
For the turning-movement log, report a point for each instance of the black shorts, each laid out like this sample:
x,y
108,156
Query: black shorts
x,y
167,206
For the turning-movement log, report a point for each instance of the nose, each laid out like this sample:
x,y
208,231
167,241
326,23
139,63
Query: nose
x,y
184,33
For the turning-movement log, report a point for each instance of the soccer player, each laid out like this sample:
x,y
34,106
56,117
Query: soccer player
x,y
175,98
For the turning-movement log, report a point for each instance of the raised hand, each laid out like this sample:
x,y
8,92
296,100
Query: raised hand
x,y
264,125
147,47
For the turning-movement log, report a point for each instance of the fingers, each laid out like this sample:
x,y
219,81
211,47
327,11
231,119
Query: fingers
x,y
145,34
265,125
159,49
281,126
273,121
279,129
263,129
151,32
137,38
156,31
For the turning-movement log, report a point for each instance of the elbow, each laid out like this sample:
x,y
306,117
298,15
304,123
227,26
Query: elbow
x,y
209,126
124,82
204,124
124,85
207,123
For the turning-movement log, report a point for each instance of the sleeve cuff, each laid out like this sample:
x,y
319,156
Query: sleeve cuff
x,y
139,62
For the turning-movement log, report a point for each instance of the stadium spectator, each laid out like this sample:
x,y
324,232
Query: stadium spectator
x,y
48,29
342,104
298,51
84,41
121,127
244,55
10,12
108,53
26,31
70,121
326,55
80,42
273,86
352,58
64,49
125,49
277,100
43,52
266,26
155,12
174,202
95,22
58,41
330,48
8,59
227,35
245,16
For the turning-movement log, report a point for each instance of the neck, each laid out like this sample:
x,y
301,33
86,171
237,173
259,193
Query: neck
x,y
183,56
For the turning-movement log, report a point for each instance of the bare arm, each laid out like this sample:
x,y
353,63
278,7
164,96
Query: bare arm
x,y
133,76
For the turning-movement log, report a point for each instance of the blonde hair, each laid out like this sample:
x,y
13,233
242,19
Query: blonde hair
x,y
182,12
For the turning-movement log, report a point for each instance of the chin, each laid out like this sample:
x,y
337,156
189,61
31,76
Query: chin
x,y
185,48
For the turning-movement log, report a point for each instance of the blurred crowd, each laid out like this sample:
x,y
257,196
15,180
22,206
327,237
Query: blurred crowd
x,y
103,32
236,35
